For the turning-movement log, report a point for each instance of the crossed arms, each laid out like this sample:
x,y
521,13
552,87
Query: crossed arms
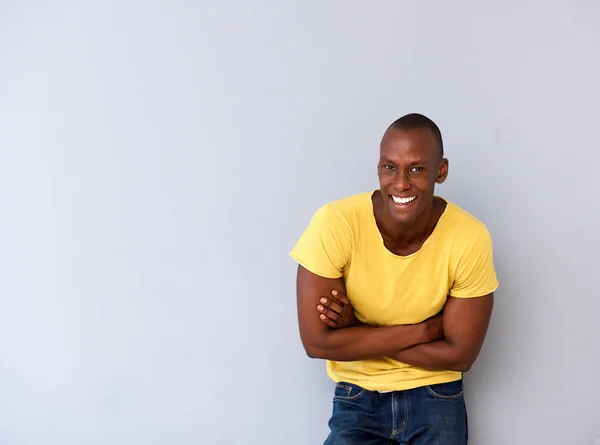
x,y
451,341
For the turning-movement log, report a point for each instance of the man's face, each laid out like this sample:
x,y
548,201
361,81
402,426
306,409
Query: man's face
x,y
409,167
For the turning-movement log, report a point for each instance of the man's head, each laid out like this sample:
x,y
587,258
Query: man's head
x,y
411,163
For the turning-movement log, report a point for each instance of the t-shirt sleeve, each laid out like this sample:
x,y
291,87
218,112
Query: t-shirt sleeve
x,y
475,272
325,246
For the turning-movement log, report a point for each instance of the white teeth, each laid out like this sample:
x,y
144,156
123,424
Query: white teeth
x,y
398,200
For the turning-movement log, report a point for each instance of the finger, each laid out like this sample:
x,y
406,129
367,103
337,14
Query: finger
x,y
328,313
329,322
333,305
343,299
334,298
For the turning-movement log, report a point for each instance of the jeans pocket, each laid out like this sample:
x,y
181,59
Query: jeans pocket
x,y
347,391
447,391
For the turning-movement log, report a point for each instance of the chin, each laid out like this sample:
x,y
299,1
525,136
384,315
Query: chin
x,y
403,218
404,212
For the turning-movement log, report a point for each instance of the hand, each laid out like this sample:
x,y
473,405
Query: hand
x,y
434,328
337,311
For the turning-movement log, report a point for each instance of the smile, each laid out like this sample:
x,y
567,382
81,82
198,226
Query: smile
x,y
399,200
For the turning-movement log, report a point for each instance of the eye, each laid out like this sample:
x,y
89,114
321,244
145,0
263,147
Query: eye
x,y
416,169
389,167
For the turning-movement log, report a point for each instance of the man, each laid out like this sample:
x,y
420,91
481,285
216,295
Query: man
x,y
395,290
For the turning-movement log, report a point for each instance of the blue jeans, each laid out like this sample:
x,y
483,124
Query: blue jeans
x,y
430,415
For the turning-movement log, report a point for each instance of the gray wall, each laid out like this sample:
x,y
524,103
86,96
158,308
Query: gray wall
x,y
158,160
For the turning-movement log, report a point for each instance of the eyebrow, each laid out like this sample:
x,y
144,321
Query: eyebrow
x,y
415,162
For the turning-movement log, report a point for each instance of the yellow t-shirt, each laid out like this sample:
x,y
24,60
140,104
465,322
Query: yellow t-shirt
x,y
385,289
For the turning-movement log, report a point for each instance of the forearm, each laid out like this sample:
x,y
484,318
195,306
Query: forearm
x,y
363,342
439,355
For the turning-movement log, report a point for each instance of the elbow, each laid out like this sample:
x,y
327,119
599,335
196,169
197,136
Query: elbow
x,y
315,346
321,351
461,359
461,367
461,364
311,353
312,350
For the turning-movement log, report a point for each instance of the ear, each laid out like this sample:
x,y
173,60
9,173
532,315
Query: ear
x,y
442,171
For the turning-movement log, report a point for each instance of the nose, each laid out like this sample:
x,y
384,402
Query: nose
x,y
402,180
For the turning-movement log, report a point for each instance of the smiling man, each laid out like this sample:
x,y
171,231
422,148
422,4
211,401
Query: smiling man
x,y
395,291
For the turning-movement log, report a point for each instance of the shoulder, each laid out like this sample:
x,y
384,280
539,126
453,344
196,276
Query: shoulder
x,y
351,209
463,225
471,254
325,247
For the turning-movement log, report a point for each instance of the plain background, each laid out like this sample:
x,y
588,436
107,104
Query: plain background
x,y
159,159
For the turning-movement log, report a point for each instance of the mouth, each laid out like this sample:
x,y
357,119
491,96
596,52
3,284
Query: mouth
x,y
402,202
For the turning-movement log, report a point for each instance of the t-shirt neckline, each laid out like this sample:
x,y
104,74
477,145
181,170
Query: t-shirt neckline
x,y
434,231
